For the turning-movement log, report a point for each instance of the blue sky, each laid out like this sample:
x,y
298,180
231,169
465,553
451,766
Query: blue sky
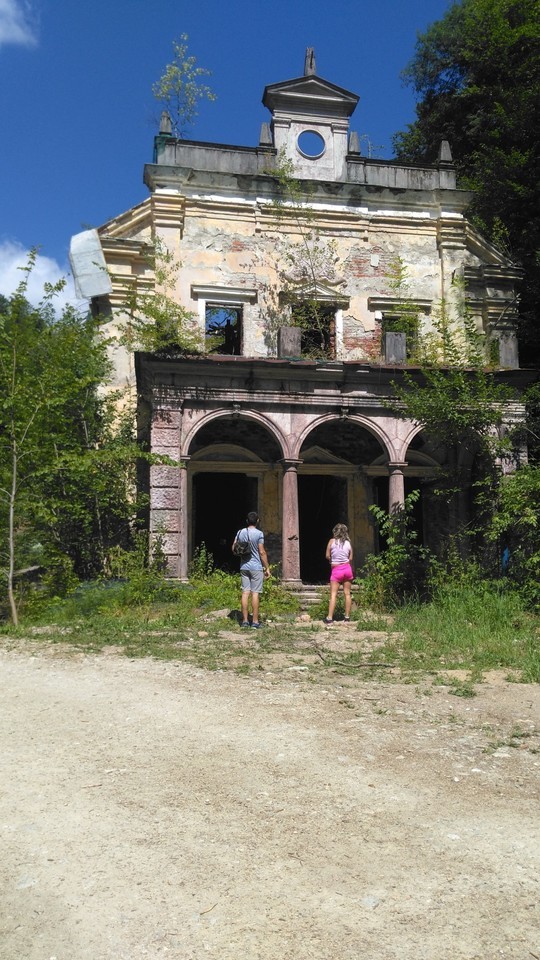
x,y
78,117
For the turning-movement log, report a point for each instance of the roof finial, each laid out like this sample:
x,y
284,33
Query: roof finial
x,y
165,124
309,64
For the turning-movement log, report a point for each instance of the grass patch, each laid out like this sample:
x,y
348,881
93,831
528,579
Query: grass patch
x,y
475,628
516,740
161,619
472,628
467,628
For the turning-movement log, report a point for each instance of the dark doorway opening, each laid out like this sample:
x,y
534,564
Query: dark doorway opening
x,y
322,504
220,502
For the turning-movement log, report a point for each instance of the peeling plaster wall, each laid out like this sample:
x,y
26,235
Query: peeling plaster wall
x,y
245,244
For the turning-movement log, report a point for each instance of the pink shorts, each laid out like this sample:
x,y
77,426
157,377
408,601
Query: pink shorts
x,y
341,573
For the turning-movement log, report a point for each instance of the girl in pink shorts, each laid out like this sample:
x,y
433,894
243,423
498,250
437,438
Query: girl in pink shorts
x,y
339,553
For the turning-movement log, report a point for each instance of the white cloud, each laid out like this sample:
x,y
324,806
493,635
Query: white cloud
x,y
17,23
13,256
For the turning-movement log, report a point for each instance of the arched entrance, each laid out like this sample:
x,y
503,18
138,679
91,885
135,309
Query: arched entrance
x,y
333,488
425,458
232,470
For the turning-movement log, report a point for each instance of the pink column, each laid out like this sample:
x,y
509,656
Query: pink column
x,y
183,526
396,486
290,527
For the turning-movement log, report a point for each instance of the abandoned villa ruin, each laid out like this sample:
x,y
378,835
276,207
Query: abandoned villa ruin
x,y
258,419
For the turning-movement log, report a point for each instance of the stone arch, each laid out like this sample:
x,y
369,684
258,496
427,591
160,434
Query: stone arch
x,y
334,485
424,457
233,466
369,425
235,416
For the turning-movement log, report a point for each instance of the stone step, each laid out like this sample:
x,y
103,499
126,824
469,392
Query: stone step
x,y
307,594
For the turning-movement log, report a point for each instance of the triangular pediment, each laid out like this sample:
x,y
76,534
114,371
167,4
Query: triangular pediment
x,y
314,290
318,454
309,93
134,223
484,250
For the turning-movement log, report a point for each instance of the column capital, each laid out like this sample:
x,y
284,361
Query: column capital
x,y
397,466
184,463
290,464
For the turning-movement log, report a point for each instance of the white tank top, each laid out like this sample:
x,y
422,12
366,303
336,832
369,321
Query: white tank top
x,y
340,552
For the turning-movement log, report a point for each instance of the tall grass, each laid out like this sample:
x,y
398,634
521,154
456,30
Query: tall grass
x,y
475,627
148,595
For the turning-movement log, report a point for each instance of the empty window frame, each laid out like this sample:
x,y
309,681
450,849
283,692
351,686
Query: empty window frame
x,y
317,321
223,329
406,322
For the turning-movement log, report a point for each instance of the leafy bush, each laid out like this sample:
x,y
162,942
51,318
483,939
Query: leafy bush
x,y
400,571
202,564
516,529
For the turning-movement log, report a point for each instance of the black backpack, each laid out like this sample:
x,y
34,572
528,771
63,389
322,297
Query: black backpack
x,y
242,548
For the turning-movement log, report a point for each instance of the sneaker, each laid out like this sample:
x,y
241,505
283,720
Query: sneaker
x,y
245,623
346,619
328,622
255,626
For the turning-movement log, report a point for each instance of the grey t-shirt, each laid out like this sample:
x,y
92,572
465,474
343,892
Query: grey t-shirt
x,y
255,537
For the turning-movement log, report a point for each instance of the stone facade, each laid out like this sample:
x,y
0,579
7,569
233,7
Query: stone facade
x,y
254,421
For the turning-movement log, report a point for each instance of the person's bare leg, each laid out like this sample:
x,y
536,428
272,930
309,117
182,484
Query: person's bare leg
x,y
348,597
255,607
245,609
334,587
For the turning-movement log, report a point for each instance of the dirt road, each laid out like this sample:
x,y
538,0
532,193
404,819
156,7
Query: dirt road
x,y
154,810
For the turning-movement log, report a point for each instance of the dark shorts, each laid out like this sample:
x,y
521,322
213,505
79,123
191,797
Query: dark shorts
x,y
341,573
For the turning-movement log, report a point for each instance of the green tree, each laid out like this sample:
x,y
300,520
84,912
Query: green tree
x,y
516,530
461,403
157,322
476,73
66,471
180,88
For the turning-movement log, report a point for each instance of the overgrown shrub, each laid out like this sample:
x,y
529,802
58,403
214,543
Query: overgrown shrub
x,y
400,571
516,529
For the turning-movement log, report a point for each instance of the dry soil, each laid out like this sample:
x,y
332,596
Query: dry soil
x,y
155,810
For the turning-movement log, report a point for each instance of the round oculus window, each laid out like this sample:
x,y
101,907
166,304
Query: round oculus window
x,y
311,144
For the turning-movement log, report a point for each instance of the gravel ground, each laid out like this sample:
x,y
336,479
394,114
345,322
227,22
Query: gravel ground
x,y
154,810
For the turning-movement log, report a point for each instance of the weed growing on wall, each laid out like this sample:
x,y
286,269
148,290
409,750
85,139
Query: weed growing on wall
x,y
309,266
180,89
157,322
404,316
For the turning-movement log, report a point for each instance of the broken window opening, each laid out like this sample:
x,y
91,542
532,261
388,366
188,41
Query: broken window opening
x,y
318,324
223,329
406,322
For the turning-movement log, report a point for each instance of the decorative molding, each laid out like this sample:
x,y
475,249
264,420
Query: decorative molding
x,y
315,291
220,294
168,210
390,304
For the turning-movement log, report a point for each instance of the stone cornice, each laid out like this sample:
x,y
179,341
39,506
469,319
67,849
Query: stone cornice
x,y
391,304
256,383
138,217
168,210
